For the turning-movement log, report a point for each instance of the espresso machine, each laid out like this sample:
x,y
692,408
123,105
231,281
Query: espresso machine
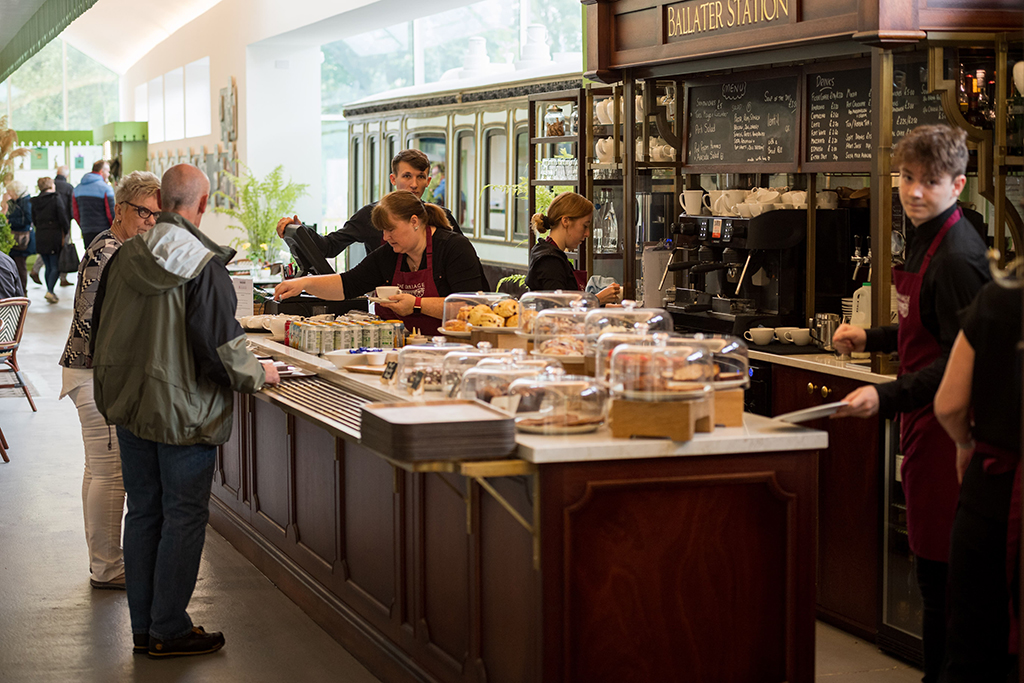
x,y
738,273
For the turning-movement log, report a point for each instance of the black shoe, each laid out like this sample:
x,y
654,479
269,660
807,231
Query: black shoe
x,y
64,282
35,277
140,643
198,642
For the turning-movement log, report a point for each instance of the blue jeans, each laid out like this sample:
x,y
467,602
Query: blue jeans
x,y
52,270
168,506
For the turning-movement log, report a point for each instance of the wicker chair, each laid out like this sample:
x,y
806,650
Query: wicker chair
x,y
13,312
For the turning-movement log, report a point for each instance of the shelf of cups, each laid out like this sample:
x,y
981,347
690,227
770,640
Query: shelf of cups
x,y
554,140
572,183
605,166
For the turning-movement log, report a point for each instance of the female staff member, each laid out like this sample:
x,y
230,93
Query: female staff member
x,y
420,255
567,224
945,267
135,212
983,377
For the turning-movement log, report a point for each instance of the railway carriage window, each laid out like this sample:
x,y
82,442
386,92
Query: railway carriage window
x,y
357,171
520,219
465,192
495,173
392,150
435,146
372,152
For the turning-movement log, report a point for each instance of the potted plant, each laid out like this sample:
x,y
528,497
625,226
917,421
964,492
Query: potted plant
x,y
9,151
258,205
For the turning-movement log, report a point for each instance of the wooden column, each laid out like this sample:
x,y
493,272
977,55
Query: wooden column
x,y
881,195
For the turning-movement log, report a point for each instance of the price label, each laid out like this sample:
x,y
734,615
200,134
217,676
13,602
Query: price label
x,y
416,382
388,376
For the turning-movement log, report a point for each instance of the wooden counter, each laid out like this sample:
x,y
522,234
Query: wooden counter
x,y
696,557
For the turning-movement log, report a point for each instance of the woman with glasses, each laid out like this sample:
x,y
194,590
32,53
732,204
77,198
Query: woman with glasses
x,y
135,212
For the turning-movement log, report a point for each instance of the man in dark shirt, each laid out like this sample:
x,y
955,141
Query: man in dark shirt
x,y
945,268
409,171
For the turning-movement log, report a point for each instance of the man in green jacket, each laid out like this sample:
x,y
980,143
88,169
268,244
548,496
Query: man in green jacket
x,y
167,355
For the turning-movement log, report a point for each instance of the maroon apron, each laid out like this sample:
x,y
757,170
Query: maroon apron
x,y
579,275
929,455
417,283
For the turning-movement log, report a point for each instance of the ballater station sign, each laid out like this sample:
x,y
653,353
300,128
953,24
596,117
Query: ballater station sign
x,y
701,17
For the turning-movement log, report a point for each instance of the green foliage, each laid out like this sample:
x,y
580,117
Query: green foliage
x,y
514,285
545,194
6,238
9,151
258,206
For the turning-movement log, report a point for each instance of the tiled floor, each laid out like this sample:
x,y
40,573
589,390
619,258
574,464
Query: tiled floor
x,y
54,628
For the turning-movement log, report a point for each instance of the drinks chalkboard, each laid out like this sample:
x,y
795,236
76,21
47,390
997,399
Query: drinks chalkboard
x,y
743,122
839,114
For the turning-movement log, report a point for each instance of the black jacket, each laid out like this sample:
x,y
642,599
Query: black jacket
x,y
360,229
957,271
51,221
64,190
550,269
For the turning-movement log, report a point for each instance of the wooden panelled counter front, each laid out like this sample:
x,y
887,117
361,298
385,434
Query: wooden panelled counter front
x,y
648,567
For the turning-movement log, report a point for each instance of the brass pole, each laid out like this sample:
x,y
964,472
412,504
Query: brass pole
x,y
881,195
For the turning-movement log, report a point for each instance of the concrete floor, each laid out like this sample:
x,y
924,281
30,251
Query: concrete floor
x,y
55,628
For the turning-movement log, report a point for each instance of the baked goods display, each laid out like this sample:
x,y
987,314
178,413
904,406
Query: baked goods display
x,y
556,403
627,318
421,366
456,363
606,343
562,345
489,382
467,310
661,372
559,332
533,303
730,357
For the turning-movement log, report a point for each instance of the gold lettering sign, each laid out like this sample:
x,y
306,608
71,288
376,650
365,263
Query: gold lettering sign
x,y
691,19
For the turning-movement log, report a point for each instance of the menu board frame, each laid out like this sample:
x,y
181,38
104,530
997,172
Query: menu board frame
x,y
810,71
789,166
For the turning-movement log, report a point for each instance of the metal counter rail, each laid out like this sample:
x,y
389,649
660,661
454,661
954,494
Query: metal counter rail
x,y
323,401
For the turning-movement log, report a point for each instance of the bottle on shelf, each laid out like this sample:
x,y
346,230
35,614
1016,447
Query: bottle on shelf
x,y
611,228
597,232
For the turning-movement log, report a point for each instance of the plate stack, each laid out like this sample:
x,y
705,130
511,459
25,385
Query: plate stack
x,y
847,308
437,430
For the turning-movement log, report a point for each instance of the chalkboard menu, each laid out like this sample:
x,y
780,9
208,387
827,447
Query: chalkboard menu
x,y
743,122
839,113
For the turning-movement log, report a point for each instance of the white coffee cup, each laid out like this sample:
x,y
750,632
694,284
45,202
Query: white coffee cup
x,y
743,210
795,197
760,335
276,326
780,334
387,292
605,148
604,110
801,336
692,201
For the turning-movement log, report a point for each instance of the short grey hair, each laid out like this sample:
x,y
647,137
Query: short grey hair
x,y
135,186
17,189
182,187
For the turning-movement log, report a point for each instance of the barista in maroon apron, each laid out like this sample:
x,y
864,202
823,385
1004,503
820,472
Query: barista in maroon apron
x,y
420,284
929,462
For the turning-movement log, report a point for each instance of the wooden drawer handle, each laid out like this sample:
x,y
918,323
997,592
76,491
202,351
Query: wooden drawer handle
x,y
825,391
811,388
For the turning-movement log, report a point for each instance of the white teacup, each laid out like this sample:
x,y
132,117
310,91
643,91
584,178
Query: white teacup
x,y
801,336
795,197
604,110
760,335
756,209
276,326
605,148
692,201
387,292
723,207
744,210
780,334
767,196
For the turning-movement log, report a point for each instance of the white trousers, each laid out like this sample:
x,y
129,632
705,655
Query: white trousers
x,y
102,488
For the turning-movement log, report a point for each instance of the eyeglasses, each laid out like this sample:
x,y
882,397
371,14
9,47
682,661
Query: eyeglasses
x,y
143,212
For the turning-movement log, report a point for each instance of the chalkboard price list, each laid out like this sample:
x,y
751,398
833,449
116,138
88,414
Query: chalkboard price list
x,y
743,122
839,118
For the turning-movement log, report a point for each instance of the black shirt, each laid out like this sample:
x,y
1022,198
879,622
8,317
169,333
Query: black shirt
x,y
550,269
992,324
957,271
456,267
360,229
64,190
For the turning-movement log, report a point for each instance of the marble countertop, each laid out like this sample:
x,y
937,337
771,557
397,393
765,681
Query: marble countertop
x,y
757,435
827,363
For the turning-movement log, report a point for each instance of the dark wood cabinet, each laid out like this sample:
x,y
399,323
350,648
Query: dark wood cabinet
x,y
849,481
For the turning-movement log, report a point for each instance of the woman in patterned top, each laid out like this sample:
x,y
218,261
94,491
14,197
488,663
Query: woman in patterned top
x,y
135,211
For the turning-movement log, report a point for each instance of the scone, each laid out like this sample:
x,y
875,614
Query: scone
x,y
507,308
456,325
481,312
512,321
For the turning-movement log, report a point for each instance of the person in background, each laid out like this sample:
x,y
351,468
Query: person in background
x,y
944,269
979,406
102,489
65,191
566,225
421,255
92,202
409,171
168,355
52,229
19,216
438,182
10,280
